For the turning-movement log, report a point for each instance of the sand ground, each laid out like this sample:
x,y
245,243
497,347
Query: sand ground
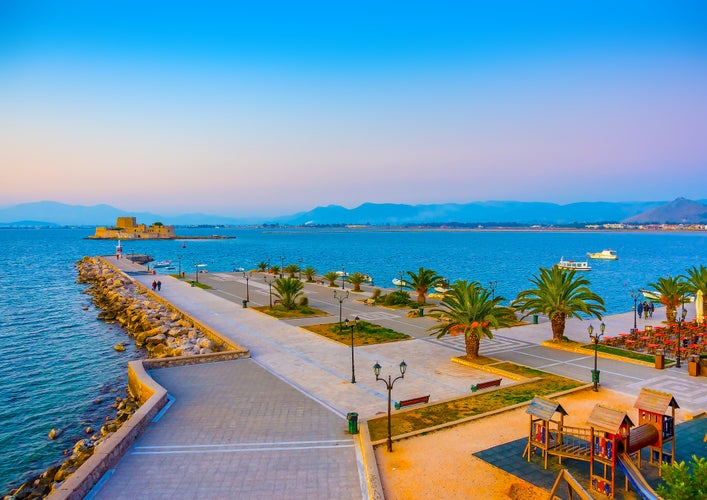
x,y
442,465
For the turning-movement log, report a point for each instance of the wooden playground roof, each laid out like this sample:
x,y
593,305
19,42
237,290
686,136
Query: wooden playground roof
x,y
544,408
608,419
655,401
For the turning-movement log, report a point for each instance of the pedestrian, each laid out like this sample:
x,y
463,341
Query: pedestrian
x,y
154,285
651,308
159,286
639,309
645,310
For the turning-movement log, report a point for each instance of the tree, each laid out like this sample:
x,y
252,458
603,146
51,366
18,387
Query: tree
x,y
560,294
275,269
331,277
262,266
309,273
697,281
421,282
683,482
292,269
356,279
470,309
288,290
672,291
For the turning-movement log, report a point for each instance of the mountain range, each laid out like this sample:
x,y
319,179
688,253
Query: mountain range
x,y
49,213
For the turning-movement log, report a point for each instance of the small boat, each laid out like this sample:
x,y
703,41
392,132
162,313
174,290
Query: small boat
x,y
604,254
399,282
162,263
576,265
443,286
654,296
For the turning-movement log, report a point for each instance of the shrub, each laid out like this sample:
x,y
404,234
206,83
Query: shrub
x,y
304,302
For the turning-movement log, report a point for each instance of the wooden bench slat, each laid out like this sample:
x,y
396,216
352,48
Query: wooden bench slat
x,y
484,385
413,401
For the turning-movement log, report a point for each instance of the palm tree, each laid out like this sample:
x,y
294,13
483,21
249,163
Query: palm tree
x,y
288,290
697,281
262,266
309,273
672,292
331,277
470,309
356,279
560,294
421,282
275,269
292,269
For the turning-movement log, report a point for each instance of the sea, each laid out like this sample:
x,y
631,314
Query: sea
x,y
58,367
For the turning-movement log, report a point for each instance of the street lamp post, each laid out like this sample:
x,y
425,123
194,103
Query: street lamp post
x,y
595,340
492,286
343,277
247,288
282,265
341,297
400,281
680,320
179,257
269,280
389,384
634,296
353,368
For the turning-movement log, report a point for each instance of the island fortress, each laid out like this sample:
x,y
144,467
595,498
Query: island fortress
x,y
127,228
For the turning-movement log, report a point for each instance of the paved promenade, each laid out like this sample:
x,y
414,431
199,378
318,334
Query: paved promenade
x,y
307,366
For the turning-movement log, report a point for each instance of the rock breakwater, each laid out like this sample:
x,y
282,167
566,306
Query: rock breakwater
x,y
154,326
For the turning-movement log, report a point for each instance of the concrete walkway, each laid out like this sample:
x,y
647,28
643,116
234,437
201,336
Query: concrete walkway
x,y
201,432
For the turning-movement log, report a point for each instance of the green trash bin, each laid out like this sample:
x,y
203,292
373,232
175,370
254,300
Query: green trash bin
x,y
353,422
245,304
595,376
535,319
422,312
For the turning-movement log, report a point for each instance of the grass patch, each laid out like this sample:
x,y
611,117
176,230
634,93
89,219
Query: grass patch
x,y
616,351
481,360
280,312
201,285
365,333
477,404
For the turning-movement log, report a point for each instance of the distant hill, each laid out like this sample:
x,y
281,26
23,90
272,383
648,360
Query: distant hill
x,y
679,211
476,212
46,213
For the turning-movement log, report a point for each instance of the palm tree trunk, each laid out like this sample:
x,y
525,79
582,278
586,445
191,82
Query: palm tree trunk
x,y
471,341
420,297
670,314
558,326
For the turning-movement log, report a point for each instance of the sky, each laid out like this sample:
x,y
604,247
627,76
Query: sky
x,y
270,108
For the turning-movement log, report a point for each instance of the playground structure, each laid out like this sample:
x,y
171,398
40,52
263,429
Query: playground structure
x,y
609,442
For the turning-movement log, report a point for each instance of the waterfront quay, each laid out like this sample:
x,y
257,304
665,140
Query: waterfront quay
x,y
275,425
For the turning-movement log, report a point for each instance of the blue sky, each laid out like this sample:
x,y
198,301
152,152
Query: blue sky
x,y
269,108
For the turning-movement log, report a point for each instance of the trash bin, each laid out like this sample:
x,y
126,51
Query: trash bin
x,y
422,312
353,422
595,376
535,319
192,283
245,304
659,359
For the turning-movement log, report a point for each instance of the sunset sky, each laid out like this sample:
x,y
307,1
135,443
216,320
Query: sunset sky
x,y
268,108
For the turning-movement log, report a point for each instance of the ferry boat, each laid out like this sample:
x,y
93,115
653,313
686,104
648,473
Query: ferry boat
x,y
399,282
654,296
604,254
162,263
576,265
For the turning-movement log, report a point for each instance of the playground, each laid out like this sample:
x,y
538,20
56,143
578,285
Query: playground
x,y
469,457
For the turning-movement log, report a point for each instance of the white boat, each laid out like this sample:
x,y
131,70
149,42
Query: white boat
x,y
572,264
655,296
604,254
399,282
162,263
443,286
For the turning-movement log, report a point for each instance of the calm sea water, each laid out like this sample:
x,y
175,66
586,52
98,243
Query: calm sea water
x,y
57,359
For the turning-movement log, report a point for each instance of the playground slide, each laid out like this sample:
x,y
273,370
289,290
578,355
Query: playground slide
x,y
636,479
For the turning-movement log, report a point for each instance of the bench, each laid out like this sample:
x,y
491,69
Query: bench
x,y
413,401
484,385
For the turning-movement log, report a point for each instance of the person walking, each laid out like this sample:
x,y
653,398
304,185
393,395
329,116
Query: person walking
x,y
154,285
159,285
645,310
639,309
651,308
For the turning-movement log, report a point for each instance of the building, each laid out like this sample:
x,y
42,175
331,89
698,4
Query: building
x,y
127,228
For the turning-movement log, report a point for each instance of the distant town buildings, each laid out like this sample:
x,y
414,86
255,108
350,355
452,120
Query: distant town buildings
x,y
127,228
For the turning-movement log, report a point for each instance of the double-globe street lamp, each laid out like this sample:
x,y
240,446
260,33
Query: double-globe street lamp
x,y
389,384
353,326
634,296
595,340
680,319
269,280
